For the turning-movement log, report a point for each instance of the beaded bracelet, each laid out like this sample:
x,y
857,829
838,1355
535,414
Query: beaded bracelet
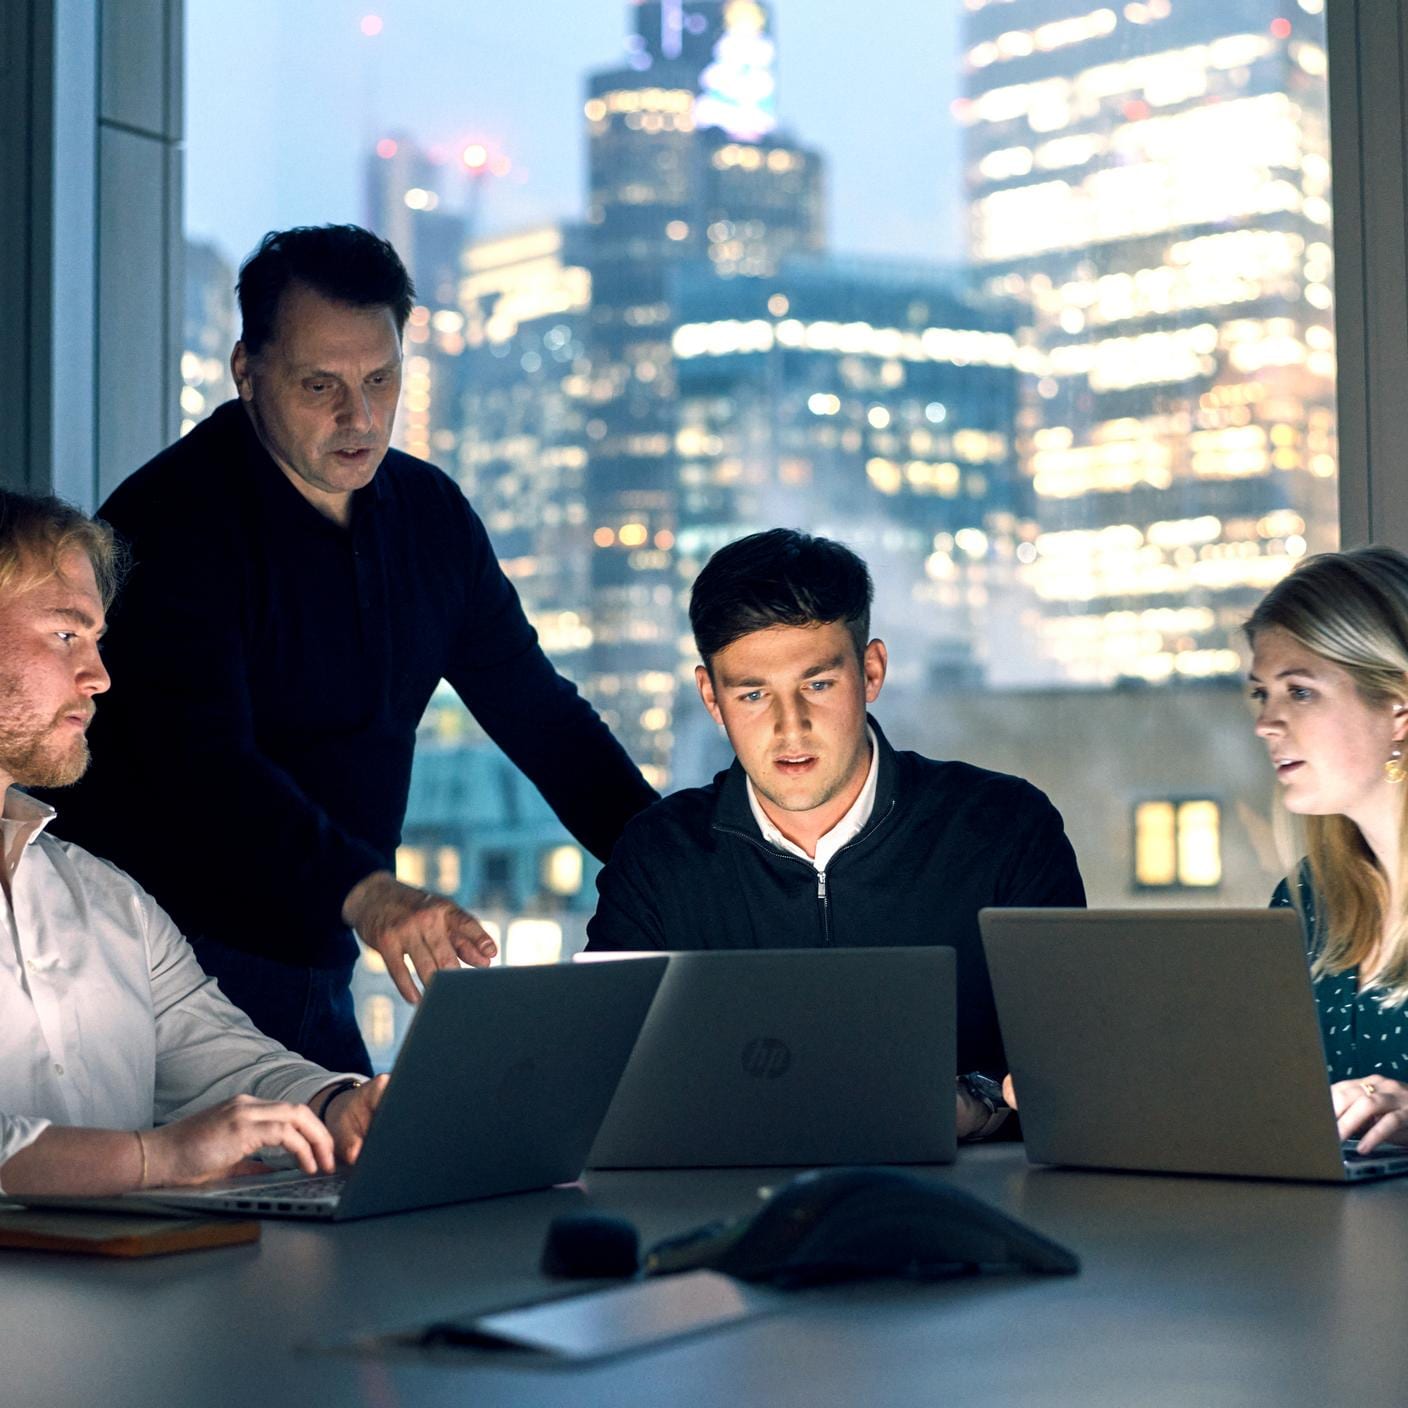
x,y
333,1091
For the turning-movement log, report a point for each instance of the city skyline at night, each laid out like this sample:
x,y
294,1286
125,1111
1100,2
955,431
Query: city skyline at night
x,y
274,140
1073,458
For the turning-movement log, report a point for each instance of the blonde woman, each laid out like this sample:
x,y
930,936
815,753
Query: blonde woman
x,y
1329,685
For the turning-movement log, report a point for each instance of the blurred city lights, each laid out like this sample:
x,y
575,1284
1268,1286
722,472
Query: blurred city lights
x,y
533,941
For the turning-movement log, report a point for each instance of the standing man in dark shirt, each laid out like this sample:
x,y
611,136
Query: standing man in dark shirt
x,y
297,592
821,834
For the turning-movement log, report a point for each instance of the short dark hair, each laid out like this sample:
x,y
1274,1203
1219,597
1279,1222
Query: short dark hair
x,y
344,263
779,578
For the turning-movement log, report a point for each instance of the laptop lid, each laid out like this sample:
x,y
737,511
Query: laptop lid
x,y
501,1084
1175,1040
499,1087
768,1057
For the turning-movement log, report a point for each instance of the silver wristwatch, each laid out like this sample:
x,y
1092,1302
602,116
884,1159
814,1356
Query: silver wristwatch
x,y
988,1093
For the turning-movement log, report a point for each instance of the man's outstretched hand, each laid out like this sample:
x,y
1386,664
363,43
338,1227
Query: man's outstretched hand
x,y
400,922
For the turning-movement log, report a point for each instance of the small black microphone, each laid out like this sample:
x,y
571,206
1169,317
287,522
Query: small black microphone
x,y
593,1245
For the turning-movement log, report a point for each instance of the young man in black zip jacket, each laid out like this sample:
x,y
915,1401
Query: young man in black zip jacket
x,y
821,834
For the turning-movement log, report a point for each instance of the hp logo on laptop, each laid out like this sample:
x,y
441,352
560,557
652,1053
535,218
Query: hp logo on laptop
x,y
766,1058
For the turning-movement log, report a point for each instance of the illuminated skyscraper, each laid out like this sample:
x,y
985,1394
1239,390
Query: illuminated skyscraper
x,y
685,167
1151,184
522,444
406,203
210,330
868,402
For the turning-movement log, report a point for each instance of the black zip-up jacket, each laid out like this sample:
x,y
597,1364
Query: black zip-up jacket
x,y
943,841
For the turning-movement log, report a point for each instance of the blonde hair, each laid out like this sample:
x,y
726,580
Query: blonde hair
x,y
36,533
1350,608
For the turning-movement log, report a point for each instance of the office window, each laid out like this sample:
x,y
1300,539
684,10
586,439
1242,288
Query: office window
x,y
1043,328
378,1022
447,869
532,941
496,880
1178,845
411,865
562,870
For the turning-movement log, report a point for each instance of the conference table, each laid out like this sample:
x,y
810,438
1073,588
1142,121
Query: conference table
x,y
1193,1291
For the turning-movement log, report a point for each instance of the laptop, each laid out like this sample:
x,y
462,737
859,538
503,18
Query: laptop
x,y
1172,1041
500,1086
768,1057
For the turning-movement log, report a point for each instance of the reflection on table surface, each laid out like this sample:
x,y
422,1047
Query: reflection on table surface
x,y
1192,1291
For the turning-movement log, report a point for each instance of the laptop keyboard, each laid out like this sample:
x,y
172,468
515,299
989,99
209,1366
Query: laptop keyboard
x,y
1350,1149
306,1192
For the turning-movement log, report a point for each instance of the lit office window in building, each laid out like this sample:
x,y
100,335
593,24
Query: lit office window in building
x,y
1155,845
447,864
1177,845
562,870
411,866
533,941
379,1021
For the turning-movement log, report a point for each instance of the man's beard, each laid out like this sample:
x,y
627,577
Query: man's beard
x,y
33,758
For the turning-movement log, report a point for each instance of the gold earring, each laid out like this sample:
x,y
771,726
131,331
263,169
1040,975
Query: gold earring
x,y
1394,769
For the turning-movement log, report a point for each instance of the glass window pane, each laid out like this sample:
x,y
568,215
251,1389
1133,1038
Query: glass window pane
x,y
1199,844
378,1022
1041,324
411,865
1155,847
447,861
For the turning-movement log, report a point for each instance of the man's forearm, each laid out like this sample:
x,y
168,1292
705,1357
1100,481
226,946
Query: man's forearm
x,y
81,1162
560,743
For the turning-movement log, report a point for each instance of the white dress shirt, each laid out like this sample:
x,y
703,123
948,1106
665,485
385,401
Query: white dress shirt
x,y
106,1018
845,830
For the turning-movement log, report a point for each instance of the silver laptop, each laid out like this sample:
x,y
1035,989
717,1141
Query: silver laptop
x,y
1174,1041
500,1086
816,1056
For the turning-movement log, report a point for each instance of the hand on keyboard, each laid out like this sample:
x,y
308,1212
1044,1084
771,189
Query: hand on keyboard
x,y
221,1142
1373,1107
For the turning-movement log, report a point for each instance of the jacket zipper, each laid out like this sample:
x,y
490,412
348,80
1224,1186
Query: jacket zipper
x,y
823,900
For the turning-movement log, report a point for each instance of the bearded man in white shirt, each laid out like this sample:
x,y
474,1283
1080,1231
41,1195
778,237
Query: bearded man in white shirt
x,y
122,1065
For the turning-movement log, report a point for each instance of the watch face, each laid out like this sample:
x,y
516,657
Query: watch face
x,y
986,1089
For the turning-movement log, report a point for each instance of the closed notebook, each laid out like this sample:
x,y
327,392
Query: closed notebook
x,y
117,1234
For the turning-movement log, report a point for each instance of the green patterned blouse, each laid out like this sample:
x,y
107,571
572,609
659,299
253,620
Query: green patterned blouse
x,y
1361,1035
